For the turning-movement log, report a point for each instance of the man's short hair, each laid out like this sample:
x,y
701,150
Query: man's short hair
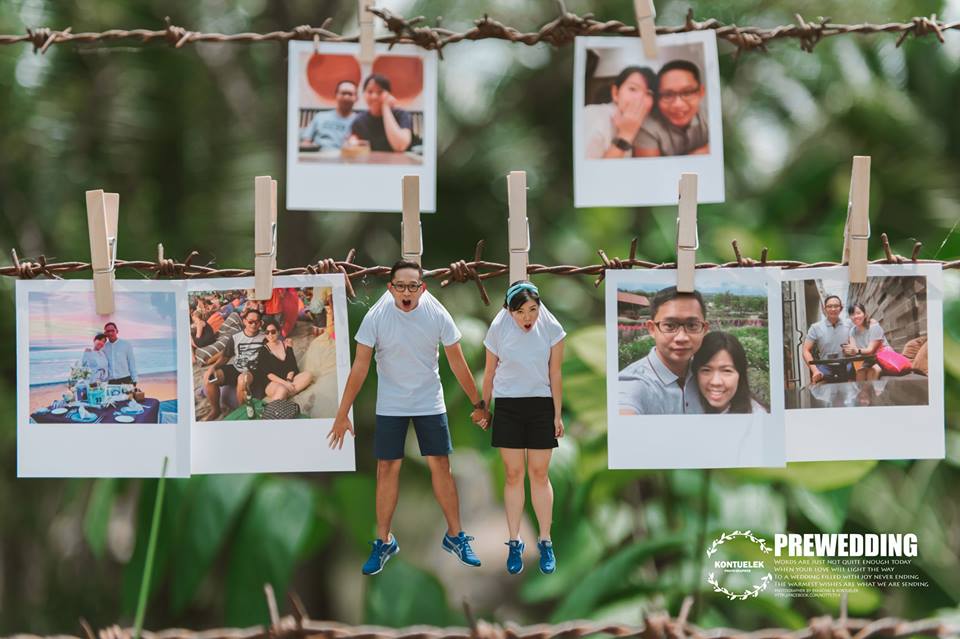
x,y
247,311
109,324
381,81
671,293
680,65
832,297
400,264
337,88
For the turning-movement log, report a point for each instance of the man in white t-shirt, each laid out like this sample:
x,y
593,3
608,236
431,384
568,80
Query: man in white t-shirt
x,y
233,366
403,329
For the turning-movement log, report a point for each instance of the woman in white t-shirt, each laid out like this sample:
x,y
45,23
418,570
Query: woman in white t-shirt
x,y
524,353
866,338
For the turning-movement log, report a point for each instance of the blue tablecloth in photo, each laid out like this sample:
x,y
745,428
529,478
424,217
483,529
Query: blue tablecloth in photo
x,y
150,414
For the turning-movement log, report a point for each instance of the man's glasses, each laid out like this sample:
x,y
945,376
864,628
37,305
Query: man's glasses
x,y
252,321
833,306
691,326
686,96
406,287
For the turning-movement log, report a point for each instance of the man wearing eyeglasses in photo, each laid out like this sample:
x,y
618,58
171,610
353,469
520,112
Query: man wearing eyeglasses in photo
x,y
403,329
677,126
233,366
662,383
829,335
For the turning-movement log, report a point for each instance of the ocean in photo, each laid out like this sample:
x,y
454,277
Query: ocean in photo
x,y
50,364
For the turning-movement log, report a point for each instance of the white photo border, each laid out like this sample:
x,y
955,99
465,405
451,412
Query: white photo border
x,y
359,187
102,450
697,441
288,445
877,432
647,181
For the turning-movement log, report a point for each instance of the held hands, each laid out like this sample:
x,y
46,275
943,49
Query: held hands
x,y
480,417
338,432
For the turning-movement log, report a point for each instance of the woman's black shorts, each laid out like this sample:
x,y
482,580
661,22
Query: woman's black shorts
x,y
523,422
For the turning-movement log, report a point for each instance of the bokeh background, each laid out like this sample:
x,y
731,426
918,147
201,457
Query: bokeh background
x,y
180,134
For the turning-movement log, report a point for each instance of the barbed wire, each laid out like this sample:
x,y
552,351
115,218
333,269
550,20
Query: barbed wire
x,y
655,626
460,271
558,32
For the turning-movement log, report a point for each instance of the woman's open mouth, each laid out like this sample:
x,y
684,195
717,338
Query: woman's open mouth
x,y
527,327
407,303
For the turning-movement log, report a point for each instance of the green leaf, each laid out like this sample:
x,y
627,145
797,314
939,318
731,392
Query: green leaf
x,y
827,510
211,512
751,507
585,397
96,520
611,575
571,567
271,533
817,476
590,345
403,595
355,496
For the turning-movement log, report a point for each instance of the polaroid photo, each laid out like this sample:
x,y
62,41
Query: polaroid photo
x,y
692,378
638,123
268,375
102,395
353,130
863,363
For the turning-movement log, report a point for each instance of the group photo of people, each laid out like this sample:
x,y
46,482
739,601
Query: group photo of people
x,y
263,359
350,115
704,352
86,368
855,345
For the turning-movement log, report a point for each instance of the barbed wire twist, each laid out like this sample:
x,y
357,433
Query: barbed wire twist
x,y
459,271
558,32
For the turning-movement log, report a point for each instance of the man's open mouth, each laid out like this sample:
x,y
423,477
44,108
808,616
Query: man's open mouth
x,y
407,303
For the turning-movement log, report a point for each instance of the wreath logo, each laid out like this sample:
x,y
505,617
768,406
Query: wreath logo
x,y
756,588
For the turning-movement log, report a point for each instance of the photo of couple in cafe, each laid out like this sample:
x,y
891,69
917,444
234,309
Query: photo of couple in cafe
x,y
376,119
855,345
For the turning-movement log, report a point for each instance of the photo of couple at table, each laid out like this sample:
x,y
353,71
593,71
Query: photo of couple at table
x,y
856,345
85,368
263,359
349,117
683,353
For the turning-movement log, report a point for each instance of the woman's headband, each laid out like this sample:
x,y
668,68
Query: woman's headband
x,y
521,286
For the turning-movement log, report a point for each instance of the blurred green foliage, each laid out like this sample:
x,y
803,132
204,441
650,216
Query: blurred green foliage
x,y
181,132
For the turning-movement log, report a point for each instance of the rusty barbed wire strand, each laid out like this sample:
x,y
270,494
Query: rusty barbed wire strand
x,y
461,271
558,32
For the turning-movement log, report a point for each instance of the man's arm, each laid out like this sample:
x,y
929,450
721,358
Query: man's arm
x,y
815,374
131,363
358,373
462,372
398,137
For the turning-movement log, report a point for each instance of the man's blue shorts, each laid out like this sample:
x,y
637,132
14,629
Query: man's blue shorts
x,y
433,435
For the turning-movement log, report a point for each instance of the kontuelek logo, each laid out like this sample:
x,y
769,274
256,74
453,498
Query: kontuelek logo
x,y
738,570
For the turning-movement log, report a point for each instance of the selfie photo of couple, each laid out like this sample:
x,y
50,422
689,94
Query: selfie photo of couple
x,y
690,373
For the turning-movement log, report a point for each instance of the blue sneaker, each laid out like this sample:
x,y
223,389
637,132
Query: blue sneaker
x,y
379,555
514,556
460,546
548,562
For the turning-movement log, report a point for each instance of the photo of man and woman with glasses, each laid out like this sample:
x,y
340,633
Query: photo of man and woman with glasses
x,y
657,117
694,366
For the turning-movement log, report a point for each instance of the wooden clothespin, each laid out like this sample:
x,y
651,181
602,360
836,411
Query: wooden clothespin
x,y
103,210
411,232
688,238
856,233
366,32
265,235
518,225
646,13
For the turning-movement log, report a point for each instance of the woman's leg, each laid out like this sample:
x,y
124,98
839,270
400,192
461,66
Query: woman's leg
x,y
275,391
301,380
874,372
541,491
513,493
